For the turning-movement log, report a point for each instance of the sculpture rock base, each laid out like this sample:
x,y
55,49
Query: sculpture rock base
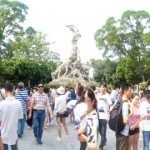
x,y
64,81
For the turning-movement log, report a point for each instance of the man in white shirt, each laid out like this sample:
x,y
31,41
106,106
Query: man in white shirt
x,y
10,112
103,105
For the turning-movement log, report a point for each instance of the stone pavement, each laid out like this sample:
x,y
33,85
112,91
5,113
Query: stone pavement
x,y
27,142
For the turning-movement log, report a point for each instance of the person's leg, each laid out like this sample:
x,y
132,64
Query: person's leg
x,y
5,146
35,123
1,144
14,147
23,123
65,125
58,120
103,133
100,129
83,145
29,121
135,141
130,141
122,142
146,140
41,118
19,127
46,120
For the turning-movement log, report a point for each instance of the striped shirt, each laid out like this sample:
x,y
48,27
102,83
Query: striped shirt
x,y
22,96
40,101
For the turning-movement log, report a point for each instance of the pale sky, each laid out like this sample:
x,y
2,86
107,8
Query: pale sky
x,y
51,16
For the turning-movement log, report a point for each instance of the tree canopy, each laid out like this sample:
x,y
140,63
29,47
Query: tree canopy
x,y
127,40
25,54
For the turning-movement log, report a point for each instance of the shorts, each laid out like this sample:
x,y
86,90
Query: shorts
x,y
135,131
69,110
58,115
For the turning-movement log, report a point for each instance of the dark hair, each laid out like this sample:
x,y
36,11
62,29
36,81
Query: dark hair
x,y
80,90
93,87
40,83
91,95
9,87
82,99
103,84
134,94
125,87
46,90
30,90
146,94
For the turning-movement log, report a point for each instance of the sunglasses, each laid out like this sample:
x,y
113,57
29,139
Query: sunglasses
x,y
40,86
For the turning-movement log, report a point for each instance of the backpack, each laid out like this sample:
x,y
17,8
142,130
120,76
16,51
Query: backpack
x,y
116,118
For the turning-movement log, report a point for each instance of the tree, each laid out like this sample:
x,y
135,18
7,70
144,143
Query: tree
x,y
12,14
127,37
104,70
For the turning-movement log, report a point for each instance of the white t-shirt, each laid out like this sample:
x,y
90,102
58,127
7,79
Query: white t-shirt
x,y
79,111
145,110
125,111
60,103
103,103
68,95
71,104
91,125
10,112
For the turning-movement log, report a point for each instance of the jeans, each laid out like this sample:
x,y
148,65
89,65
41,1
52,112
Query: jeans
x,y
13,147
146,140
102,131
21,123
38,122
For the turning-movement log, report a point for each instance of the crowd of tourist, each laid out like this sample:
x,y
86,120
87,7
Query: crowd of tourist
x,y
87,108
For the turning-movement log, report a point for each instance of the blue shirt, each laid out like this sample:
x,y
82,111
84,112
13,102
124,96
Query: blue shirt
x,y
22,96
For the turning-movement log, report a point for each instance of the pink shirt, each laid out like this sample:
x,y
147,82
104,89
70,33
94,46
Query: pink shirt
x,y
134,116
40,101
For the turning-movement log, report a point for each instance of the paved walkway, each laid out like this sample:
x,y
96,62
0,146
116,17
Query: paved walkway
x,y
27,142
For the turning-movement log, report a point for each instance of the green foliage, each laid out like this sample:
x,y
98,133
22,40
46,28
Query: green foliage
x,y
128,41
104,70
12,14
24,53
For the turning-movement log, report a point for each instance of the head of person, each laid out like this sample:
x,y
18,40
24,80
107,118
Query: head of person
x,y
102,88
47,90
9,88
90,99
60,90
135,99
80,90
30,92
126,90
113,87
20,85
40,87
146,95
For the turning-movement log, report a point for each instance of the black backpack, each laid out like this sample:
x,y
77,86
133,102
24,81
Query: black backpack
x,y
116,118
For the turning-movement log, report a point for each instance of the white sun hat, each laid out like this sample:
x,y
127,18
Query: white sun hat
x,y
61,90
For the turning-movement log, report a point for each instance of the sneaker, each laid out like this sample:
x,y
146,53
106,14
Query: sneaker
x,y
39,142
59,139
19,135
67,136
